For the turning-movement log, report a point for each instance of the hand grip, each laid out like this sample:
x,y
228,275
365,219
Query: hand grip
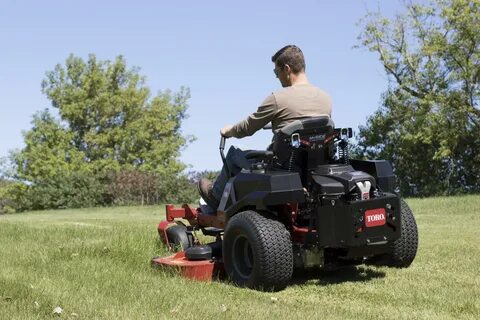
x,y
222,143
224,160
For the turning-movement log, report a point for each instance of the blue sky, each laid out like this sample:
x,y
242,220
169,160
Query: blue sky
x,y
219,49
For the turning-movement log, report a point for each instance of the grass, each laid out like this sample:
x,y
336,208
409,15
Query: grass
x,y
95,264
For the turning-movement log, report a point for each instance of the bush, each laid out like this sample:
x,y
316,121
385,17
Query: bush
x,y
5,199
179,189
81,189
136,187
131,187
75,190
11,195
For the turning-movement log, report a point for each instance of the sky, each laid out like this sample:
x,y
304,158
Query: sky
x,y
221,50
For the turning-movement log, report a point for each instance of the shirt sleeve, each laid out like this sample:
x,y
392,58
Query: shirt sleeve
x,y
257,120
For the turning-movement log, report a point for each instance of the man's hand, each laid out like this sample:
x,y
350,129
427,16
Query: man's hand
x,y
227,131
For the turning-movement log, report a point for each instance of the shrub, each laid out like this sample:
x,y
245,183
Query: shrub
x,y
130,187
11,194
83,189
75,190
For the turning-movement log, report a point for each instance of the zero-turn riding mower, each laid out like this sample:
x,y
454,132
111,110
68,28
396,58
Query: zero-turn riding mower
x,y
303,204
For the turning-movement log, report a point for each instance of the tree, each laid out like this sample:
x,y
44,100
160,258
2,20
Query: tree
x,y
428,124
108,122
49,151
112,118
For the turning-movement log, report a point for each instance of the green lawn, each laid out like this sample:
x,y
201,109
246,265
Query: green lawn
x,y
95,264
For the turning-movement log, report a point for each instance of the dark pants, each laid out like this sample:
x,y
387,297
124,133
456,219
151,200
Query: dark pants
x,y
236,161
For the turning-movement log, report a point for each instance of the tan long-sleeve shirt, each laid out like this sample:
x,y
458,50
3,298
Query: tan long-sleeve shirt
x,y
284,106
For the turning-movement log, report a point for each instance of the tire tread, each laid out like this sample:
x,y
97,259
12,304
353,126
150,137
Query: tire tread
x,y
275,253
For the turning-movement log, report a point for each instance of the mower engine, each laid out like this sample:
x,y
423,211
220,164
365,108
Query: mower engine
x,y
347,215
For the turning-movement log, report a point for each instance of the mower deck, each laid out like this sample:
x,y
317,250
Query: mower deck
x,y
202,270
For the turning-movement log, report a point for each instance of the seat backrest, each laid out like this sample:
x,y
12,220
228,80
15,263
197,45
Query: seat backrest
x,y
316,138
322,123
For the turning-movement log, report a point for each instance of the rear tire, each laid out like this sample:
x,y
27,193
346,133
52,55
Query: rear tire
x,y
257,252
403,250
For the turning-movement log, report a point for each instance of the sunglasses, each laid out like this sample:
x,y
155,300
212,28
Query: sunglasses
x,y
277,70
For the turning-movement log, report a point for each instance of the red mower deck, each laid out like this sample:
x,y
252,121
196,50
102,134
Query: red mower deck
x,y
204,270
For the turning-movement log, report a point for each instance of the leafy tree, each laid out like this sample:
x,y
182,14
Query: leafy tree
x,y
49,151
114,122
428,124
108,122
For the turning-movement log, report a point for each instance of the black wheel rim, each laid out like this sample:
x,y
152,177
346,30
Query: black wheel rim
x,y
243,260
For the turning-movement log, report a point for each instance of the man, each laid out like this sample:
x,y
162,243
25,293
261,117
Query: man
x,y
299,99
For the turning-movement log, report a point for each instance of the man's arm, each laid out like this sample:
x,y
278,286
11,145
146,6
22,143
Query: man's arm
x,y
256,121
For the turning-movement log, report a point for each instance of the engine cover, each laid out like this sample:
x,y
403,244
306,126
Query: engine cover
x,y
338,179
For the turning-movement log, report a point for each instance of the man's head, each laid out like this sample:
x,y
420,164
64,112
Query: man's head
x,y
289,63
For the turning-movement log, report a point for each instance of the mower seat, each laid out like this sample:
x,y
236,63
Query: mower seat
x,y
322,123
314,149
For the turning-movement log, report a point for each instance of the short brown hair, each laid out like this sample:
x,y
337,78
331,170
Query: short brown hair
x,y
291,55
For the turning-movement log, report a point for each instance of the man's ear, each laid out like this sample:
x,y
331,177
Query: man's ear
x,y
288,69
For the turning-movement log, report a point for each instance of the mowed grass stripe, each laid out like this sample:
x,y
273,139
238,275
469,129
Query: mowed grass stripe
x,y
95,264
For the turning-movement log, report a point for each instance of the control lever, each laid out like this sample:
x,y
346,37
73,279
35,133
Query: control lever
x,y
222,154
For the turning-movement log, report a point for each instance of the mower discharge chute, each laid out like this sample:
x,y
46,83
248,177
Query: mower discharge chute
x,y
305,204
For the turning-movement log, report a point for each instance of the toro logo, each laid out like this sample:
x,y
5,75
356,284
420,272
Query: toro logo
x,y
375,217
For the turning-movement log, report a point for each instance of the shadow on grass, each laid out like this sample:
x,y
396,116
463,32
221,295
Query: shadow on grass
x,y
316,276
345,274
302,277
